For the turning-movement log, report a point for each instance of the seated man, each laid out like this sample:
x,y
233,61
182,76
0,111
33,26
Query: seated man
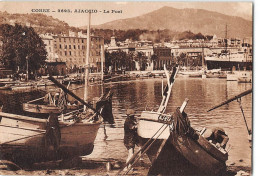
x,y
217,136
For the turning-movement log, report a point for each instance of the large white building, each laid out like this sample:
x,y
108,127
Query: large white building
x,y
72,49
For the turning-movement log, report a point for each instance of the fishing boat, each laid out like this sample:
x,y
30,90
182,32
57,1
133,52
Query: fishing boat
x,y
53,102
222,75
4,86
172,145
26,140
212,75
195,75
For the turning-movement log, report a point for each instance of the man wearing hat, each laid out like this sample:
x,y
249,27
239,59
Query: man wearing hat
x,y
130,128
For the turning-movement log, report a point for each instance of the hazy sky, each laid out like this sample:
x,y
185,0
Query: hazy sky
x,y
129,9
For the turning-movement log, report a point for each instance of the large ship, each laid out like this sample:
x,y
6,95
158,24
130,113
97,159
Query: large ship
x,y
227,60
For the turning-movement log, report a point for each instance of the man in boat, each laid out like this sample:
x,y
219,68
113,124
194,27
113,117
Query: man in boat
x,y
130,133
217,136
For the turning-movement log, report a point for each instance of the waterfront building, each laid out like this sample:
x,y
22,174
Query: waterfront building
x,y
71,49
126,46
164,57
48,40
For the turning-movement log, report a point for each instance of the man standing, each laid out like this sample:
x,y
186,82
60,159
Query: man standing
x,y
130,129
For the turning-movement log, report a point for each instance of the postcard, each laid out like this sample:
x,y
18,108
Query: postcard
x,y
122,88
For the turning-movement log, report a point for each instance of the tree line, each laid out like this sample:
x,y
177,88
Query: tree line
x,y
154,36
21,45
120,60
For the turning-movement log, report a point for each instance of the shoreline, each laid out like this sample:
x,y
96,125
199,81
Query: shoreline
x,y
86,166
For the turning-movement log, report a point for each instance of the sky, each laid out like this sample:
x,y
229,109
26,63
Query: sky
x,y
129,9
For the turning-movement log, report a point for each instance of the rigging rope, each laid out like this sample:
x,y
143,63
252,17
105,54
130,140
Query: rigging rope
x,y
240,105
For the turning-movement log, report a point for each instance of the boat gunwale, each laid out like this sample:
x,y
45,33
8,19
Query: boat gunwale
x,y
33,119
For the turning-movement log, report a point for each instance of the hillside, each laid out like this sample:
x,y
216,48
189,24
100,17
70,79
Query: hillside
x,y
195,20
40,22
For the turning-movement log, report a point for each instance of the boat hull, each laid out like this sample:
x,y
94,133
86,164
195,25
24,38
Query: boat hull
x,y
22,139
244,80
181,154
227,65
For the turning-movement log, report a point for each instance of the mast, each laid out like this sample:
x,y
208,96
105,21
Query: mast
x,y
226,44
102,69
102,62
87,62
203,64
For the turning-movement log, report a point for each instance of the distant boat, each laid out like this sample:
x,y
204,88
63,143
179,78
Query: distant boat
x,y
244,77
227,61
222,76
195,75
232,76
5,86
212,75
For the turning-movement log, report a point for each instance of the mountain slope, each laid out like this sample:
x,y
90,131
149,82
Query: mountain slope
x,y
40,22
195,20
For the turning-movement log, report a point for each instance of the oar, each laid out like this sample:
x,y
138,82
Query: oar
x,y
141,150
231,99
146,149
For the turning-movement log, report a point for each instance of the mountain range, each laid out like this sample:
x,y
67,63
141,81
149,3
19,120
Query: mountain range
x,y
169,18
179,20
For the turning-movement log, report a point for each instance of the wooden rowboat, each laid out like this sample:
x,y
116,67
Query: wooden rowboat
x,y
195,153
26,139
47,104
23,139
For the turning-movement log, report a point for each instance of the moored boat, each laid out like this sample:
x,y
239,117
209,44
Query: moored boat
x,y
195,75
28,140
188,153
244,77
5,86
53,102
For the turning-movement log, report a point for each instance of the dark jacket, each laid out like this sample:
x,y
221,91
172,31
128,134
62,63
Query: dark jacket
x,y
130,135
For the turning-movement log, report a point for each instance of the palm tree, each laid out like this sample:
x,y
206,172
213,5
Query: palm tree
x,y
141,59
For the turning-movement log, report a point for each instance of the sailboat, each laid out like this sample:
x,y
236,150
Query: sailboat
x,y
172,145
26,140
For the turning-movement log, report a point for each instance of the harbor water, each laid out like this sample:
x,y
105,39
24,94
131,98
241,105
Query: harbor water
x,y
146,94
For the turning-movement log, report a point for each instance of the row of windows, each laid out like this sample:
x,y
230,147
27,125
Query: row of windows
x,y
70,53
75,46
162,53
79,53
74,40
70,46
81,60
